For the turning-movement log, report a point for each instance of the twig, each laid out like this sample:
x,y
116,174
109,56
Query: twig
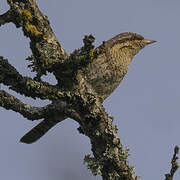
x,y
174,163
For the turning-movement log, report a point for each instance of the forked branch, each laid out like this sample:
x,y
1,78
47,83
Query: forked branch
x,y
25,85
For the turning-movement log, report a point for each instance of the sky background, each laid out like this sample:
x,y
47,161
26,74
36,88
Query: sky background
x,y
145,105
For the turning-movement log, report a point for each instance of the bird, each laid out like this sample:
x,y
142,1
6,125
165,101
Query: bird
x,y
108,70
104,74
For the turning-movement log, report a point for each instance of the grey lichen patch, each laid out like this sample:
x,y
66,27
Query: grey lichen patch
x,y
94,165
126,152
116,141
65,96
104,164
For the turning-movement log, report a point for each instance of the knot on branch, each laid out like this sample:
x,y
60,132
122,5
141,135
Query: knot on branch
x,y
88,41
83,56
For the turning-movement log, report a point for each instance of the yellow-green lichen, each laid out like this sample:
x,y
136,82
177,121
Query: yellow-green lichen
x,y
91,54
26,19
45,38
26,15
32,29
60,94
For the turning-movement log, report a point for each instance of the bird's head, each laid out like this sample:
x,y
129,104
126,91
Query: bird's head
x,y
129,43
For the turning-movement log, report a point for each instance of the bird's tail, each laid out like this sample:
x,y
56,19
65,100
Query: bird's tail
x,y
39,130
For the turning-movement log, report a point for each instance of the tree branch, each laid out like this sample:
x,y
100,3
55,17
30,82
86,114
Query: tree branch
x,y
110,160
25,85
5,18
174,163
45,47
8,101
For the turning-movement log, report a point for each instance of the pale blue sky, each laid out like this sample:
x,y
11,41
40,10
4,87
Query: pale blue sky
x,y
145,105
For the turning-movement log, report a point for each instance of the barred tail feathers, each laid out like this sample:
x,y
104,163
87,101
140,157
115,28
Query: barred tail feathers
x,y
38,131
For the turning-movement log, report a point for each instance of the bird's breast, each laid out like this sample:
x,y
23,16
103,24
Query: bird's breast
x,y
105,74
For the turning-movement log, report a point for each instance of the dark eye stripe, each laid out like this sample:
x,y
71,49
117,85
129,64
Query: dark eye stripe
x,y
123,37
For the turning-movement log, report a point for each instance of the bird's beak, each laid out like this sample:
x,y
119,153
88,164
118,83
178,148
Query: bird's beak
x,y
147,41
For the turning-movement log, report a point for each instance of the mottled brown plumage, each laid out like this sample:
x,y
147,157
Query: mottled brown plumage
x,y
107,71
104,74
